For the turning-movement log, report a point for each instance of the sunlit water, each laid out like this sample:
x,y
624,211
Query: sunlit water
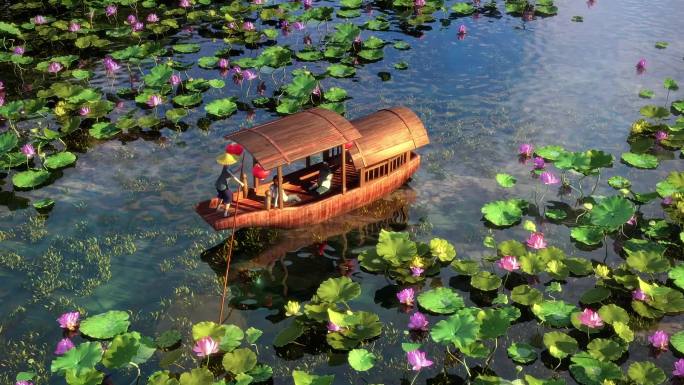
x,y
548,81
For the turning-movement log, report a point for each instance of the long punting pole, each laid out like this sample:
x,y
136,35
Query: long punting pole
x,y
230,248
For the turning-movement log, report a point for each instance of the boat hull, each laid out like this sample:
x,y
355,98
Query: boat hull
x,y
314,212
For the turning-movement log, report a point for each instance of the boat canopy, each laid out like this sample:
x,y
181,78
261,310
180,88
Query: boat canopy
x,y
385,134
296,136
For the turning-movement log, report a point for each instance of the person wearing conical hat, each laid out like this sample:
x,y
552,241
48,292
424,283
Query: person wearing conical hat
x,y
223,192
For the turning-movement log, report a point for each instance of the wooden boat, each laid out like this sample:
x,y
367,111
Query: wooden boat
x,y
370,157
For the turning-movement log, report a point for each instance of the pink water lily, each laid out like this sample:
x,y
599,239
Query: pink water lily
x,y
249,75
2,99
661,135
308,4
419,3
257,2
666,201
418,321
417,271
538,162
632,221
131,19
54,67
154,100
84,111
298,25
111,10
69,320
28,150
18,50
526,150
223,63
110,65
678,368
184,3
591,319
63,346
548,178
248,26
39,20
639,295
137,26
462,30
659,340
333,327
175,79
23,383
641,66
536,241
508,263
205,346
418,360
406,296
152,18
74,27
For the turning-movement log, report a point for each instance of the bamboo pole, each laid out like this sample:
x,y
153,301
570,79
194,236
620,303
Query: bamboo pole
x,y
344,169
281,201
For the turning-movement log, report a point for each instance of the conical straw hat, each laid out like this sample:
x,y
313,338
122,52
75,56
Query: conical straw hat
x,y
226,159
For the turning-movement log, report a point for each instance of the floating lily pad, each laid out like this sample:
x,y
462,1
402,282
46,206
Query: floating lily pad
x,y
504,213
485,281
646,373
59,160
587,370
105,325
30,178
646,161
522,353
589,235
441,300
361,360
505,180
304,378
221,107
460,329
560,344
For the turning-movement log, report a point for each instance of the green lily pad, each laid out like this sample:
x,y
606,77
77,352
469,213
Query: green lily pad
x,y
504,213
59,160
221,107
186,48
252,334
396,247
463,9
646,94
304,378
587,370
208,329
442,249
402,45
555,313
644,161
605,349
560,344
232,338
43,204
371,54
30,178
595,294
239,361
341,71
646,373
505,180
197,376
105,325
335,94
460,329
188,100
289,334
338,289
441,300
589,235
619,182
168,339
103,130
485,281
361,360
494,322
556,214
648,262
526,295
402,65
661,44
83,356
612,313
551,153
522,353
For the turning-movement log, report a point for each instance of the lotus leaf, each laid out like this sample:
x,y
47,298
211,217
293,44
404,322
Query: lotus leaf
x,y
605,349
442,249
560,344
309,55
648,262
533,263
367,325
197,376
504,213
304,378
188,100
463,9
589,235
522,353
289,106
361,360
646,311
8,141
677,341
274,57
59,160
186,48
344,34
587,162
231,338
168,339
493,322
161,377
485,281
512,247
261,373
30,178
239,361
402,45
619,182
623,331
335,94
176,114
673,184
667,299
371,54
505,180
589,371
396,247
377,25
221,107
612,313
646,373
252,334
461,329
83,356
105,325
526,295
158,76
341,71
441,300
86,376
594,295
579,266
124,349
645,161
43,204
301,86
402,65
670,84
289,334
208,62
340,289
333,52
551,153
348,13
554,313
465,267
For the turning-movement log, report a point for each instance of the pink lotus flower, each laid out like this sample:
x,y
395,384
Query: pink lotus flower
x,y
110,10
84,111
223,63
54,67
316,91
591,319
548,177
419,3
249,75
298,25
641,66
175,79
132,19
257,2
333,327
417,360
2,100
307,40
284,24
418,321
678,368
659,340
18,50
23,383
63,346
110,65
536,241
538,162
184,3
39,20
74,27
639,295
137,26
526,150
508,263
248,26
154,100
632,221
69,320
406,296
667,201
28,150
417,271
205,347
308,4
152,18
661,135
462,30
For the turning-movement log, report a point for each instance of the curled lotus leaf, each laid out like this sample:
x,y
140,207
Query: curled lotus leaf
x,y
338,289
221,107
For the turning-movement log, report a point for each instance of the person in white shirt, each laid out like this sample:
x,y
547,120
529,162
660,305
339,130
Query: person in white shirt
x,y
325,177
291,198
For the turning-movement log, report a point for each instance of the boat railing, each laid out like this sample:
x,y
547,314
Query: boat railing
x,y
384,168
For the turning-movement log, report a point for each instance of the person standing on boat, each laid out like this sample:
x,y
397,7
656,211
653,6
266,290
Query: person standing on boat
x,y
223,192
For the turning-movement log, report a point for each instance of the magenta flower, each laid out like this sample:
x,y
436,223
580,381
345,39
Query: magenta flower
x,y
508,263
308,4
462,30
307,40
526,150
18,50
538,162
406,296
659,340
23,383
137,26
131,19
417,271
632,221
639,295
418,321
74,27
184,3
2,86
249,75
39,20
205,347
154,100
110,65
223,63
316,91
548,177
419,3
2,100
284,24
110,10
333,327
536,241
661,135
417,360
678,368
248,26
63,346
298,25
28,150
69,320
591,319
152,18
257,2
667,201
641,66
84,111
54,67
175,79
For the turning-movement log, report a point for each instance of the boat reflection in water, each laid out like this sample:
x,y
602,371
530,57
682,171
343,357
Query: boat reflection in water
x,y
271,265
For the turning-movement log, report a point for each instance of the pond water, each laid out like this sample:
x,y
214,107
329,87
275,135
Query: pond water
x,y
123,233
